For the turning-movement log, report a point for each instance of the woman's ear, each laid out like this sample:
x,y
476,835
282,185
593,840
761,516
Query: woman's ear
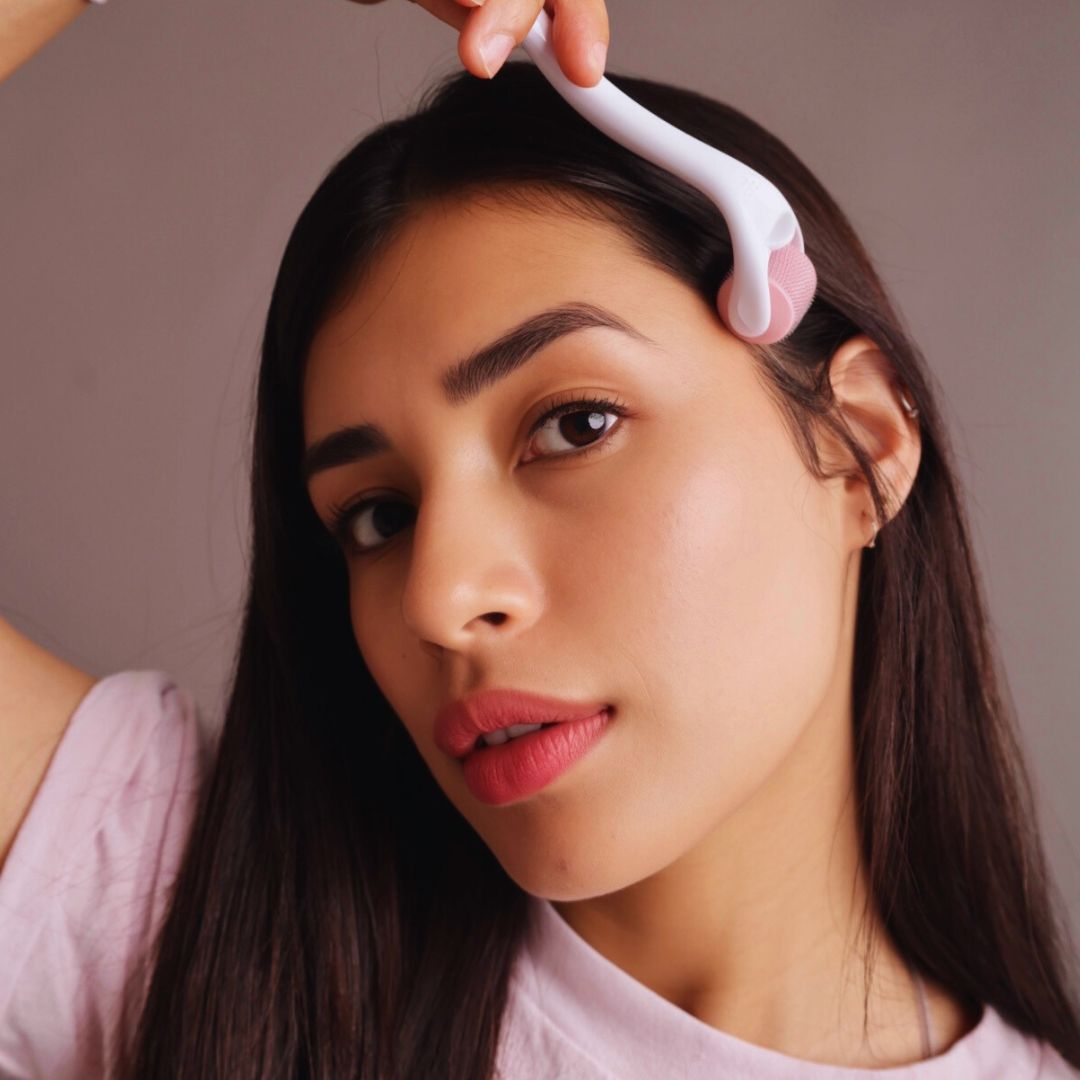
x,y
867,394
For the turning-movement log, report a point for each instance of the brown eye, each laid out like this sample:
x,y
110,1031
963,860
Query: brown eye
x,y
581,424
350,522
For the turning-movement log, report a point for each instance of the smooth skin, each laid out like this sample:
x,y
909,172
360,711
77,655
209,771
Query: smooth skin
x,y
687,570
578,28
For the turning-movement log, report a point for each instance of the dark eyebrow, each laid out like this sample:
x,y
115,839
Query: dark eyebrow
x,y
467,378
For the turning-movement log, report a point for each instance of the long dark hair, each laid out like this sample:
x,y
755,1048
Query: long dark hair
x,y
334,915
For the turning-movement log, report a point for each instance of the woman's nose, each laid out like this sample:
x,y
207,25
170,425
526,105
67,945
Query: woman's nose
x,y
471,570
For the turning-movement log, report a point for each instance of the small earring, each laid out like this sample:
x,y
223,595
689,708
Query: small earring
x,y
873,540
908,407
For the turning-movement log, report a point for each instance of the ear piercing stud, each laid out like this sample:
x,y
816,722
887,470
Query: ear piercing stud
x,y
908,407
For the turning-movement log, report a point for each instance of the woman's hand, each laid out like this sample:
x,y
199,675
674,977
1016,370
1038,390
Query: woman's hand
x,y
578,27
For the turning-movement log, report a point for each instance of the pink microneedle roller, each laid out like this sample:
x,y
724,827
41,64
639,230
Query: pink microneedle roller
x,y
772,281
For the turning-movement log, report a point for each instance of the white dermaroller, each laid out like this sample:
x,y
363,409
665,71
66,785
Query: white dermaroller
x,y
773,280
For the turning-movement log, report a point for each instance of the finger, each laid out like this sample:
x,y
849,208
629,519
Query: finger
x,y
478,44
577,25
580,33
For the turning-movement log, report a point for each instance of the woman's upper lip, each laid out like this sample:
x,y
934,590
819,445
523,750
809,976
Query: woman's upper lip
x,y
460,723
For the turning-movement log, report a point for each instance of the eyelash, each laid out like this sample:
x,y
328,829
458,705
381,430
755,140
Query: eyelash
x,y
341,517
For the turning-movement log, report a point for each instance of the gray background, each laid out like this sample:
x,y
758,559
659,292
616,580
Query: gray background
x,y
154,156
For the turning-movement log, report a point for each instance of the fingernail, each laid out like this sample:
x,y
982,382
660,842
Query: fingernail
x,y
598,54
494,50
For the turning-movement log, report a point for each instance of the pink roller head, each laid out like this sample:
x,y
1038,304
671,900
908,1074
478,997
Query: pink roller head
x,y
792,281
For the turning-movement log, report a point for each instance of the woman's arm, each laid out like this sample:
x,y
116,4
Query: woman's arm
x,y
25,25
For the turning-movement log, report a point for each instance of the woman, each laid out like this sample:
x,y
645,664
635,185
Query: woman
x,y
777,825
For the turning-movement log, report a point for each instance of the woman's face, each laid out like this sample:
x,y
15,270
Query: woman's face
x,y
678,563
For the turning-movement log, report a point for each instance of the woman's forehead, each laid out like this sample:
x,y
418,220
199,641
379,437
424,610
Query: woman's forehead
x,y
457,276
448,257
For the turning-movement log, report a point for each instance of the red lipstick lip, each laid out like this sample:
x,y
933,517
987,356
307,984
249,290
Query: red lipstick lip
x,y
460,723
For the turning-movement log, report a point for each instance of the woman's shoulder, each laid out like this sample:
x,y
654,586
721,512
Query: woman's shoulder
x,y
39,691
87,877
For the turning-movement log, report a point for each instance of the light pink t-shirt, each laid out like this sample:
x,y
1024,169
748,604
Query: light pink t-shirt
x,y
84,887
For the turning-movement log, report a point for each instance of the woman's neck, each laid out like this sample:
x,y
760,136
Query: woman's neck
x,y
758,929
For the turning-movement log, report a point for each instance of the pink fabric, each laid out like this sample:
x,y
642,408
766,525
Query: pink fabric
x,y
85,883
574,1015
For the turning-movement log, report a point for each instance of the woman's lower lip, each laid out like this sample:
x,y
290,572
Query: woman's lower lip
x,y
523,766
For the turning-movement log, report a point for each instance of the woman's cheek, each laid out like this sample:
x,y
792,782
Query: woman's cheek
x,y
731,620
